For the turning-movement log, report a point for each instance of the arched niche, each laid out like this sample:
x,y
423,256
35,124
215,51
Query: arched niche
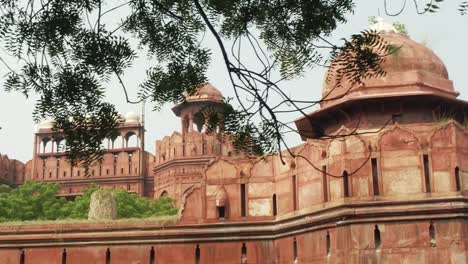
x,y
164,194
221,202
192,211
443,156
221,169
401,163
355,144
356,159
335,148
263,168
309,153
398,139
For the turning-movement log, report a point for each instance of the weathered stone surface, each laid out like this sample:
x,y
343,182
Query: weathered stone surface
x,y
261,189
260,207
103,205
401,181
442,180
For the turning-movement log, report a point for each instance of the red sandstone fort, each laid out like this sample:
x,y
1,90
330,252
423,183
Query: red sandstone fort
x,y
392,193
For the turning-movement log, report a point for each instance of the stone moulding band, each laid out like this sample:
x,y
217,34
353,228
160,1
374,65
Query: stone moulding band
x,y
146,232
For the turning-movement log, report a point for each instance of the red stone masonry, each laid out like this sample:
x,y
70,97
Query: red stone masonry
x,y
392,189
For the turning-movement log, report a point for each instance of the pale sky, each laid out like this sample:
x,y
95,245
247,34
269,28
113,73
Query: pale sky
x,y
445,32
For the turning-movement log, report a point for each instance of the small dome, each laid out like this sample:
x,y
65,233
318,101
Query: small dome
x,y
46,124
132,117
206,93
410,68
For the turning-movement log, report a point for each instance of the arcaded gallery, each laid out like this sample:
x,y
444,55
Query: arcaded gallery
x,y
393,193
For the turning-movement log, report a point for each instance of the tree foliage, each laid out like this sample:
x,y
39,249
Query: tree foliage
x,y
70,50
39,201
423,7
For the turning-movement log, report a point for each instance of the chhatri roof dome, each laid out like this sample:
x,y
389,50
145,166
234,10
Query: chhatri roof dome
x,y
132,117
412,69
207,92
46,124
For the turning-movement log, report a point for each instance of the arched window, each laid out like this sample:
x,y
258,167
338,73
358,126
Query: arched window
x,y
185,124
221,212
108,256
375,176
294,191
47,143
325,184
221,203
377,240
432,235
197,255
164,194
105,143
199,121
328,243
117,142
61,145
151,256
244,254
22,257
345,184
64,256
457,179
275,205
131,140
427,173
295,251
243,201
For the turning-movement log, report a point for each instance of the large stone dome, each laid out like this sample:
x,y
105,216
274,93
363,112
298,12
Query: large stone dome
x,y
413,68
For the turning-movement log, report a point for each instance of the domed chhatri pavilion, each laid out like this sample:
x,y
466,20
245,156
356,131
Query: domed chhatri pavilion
x,y
392,189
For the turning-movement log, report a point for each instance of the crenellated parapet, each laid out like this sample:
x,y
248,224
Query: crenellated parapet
x,y
194,144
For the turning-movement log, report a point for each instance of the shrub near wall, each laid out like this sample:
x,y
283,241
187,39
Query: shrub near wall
x,y
38,201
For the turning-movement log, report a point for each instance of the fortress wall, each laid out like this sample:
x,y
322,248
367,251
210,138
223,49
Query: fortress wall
x,y
401,242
